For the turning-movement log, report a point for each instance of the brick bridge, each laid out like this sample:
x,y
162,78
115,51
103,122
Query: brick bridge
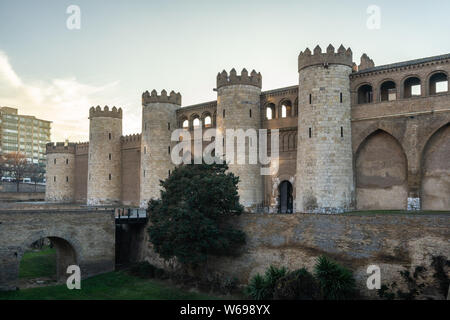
x,y
84,237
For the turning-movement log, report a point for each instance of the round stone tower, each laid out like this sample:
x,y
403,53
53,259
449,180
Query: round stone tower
x,y
60,175
238,107
324,154
158,121
104,162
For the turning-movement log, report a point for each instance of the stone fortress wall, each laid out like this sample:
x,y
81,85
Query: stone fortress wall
x,y
324,154
60,187
104,160
394,119
238,108
158,122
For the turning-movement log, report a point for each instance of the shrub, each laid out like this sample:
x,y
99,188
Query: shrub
x,y
297,285
439,264
257,288
336,281
417,284
192,219
262,287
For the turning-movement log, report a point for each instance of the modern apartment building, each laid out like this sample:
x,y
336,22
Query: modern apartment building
x,y
25,134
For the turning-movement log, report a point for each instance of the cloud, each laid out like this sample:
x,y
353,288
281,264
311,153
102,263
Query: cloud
x,y
65,102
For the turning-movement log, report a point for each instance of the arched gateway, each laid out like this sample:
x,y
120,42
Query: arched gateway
x,y
81,237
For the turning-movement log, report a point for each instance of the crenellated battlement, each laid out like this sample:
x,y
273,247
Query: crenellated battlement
x,y
254,79
82,148
60,147
366,63
131,141
342,56
174,98
105,112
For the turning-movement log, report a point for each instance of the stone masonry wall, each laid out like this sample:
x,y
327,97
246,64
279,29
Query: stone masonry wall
x,y
104,162
60,177
324,154
237,101
296,240
158,122
81,237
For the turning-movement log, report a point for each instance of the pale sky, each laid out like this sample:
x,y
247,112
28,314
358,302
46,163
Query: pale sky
x,y
127,47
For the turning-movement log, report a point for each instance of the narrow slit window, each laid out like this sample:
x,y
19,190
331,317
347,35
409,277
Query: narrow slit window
x,y
340,97
310,98
310,132
169,173
250,113
342,132
67,161
168,125
67,179
109,135
110,156
54,179
168,149
224,113
110,176
54,161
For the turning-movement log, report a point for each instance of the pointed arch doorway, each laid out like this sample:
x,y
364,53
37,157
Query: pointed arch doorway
x,y
285,197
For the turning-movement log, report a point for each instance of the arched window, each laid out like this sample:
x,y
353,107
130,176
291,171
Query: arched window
x,y
365,94
270,111
411,87
286,109
196,123
438,83
388,91
207,121
186,124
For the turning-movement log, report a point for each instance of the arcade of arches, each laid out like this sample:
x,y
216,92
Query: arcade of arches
x,y
381,172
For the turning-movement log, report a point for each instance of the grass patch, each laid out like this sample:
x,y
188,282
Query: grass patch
x,y
116,285
37,264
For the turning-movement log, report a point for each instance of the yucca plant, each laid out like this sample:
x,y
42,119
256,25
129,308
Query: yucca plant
x,y
257,288
336,281
262,287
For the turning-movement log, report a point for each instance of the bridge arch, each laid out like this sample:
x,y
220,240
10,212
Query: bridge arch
x,y
68,249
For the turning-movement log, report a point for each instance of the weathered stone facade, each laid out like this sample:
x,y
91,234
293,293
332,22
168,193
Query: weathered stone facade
x,y
238,109
158,122
60,175
81,237
391,241
104,162
324,154
391,153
